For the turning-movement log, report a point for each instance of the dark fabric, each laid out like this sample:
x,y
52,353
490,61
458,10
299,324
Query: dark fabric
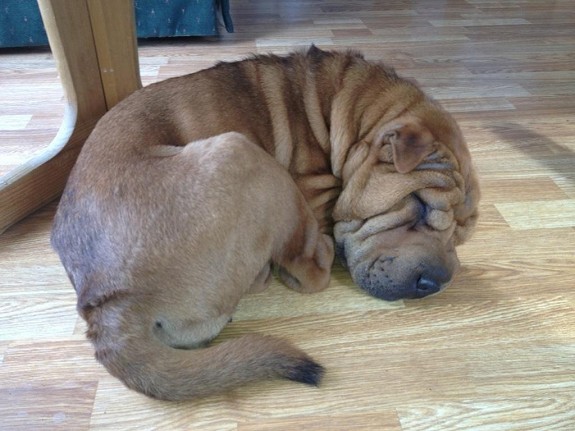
x,y
21,23
161,18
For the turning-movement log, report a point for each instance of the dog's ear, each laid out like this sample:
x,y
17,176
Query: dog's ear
x,y
410,142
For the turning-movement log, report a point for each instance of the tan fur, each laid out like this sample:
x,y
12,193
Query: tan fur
x,y
176,208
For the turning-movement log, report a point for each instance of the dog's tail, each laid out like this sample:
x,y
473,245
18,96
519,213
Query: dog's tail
x,y
149,366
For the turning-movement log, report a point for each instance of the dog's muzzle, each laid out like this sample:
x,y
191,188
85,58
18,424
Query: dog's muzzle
x,y
382,280
417,268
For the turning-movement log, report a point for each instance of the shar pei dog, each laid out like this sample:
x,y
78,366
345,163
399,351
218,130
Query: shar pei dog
x,y
191,190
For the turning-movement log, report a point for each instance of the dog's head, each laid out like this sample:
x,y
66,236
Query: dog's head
x,y
409,197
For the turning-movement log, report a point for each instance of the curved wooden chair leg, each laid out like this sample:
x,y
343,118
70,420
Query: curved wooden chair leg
x,y
95,47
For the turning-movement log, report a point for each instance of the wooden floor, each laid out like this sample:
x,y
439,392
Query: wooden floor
x,y
496,351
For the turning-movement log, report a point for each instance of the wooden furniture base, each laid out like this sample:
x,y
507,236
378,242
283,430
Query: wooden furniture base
x,y
94,44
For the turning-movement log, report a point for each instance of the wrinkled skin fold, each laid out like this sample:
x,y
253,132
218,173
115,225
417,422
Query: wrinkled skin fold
x,y
398,236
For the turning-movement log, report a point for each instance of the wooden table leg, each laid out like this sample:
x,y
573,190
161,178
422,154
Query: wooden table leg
x,y
95,47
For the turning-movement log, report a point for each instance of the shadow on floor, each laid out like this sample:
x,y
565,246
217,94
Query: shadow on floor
x,y
558,158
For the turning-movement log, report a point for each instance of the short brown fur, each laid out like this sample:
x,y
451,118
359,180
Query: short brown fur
x,y
173,211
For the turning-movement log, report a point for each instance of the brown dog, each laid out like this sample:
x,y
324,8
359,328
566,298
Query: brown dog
x,y
167,219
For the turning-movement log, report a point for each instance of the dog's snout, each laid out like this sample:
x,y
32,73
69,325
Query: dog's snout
x,y
389,279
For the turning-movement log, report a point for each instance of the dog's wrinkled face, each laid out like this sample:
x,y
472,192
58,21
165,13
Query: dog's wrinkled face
x,y
409,197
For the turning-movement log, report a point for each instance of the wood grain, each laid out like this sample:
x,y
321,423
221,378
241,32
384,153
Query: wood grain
x,y
492,352
116,49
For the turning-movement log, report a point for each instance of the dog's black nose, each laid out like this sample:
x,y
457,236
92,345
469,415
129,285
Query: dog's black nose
x,y
427,285
432,280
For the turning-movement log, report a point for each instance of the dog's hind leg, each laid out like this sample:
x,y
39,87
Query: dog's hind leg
x,y
188,334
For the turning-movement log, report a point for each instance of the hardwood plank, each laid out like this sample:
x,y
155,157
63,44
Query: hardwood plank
x,y
539,215
512,191
31,316
542,370
492,352
478,105
49,405
49,385
529,412
385,421
59,359
478,22
14,122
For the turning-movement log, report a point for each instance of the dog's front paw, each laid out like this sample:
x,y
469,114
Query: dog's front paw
x,y
308,274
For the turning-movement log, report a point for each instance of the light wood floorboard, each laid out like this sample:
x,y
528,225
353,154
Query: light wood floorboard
x,y
496,351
